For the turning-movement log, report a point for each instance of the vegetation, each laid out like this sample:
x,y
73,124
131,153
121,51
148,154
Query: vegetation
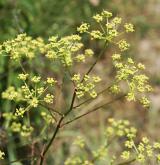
x,y
49,83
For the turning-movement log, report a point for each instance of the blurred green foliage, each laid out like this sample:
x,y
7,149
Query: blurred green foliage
x,y
44,17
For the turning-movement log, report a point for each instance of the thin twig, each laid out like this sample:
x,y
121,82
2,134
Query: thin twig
x,y
57,129
127,162
99,93
92,66
93,110
26,158
50,142
50,108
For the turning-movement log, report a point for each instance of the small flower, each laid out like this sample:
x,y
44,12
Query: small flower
x,y
76,77
115,89
145,140
16,127
34,102
23,76
106,14
89,52
86,77
116,57
83,28
20,112
145,102
129,144
2,154
141,66
130,61
51,81
117,20
113,33
129,27
93,94
36,79
26,131
80,58
51,54
96,79
96,34
48,98
10,93
40,90
125,155
98,18
131,96
141,158
156,145
123,45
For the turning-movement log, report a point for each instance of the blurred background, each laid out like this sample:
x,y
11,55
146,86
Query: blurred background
x,y
45,18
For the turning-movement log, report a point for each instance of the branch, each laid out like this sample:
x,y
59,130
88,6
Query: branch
x,y
43,153
93,110
26,158
127,162
50,108
50,142
99,93
99,56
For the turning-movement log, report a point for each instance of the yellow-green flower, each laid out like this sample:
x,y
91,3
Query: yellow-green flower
x,y
2,154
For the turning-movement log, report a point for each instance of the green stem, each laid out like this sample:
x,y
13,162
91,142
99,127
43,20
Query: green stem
x,y
7,107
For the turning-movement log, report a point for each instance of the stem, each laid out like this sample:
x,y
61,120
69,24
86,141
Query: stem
x,y
127,162
99,93
57,129
99,56
26,158
43,153
50,108
51,141
93,110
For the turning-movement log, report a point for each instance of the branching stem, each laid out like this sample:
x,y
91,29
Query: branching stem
x,y
43,153
93,110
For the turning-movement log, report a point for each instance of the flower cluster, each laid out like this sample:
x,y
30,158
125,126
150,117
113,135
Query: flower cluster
x,y
108,29
120,128
17,126
86,85
134,150
23,130
63,49
123,45
131,73
32,95
142,151
22,46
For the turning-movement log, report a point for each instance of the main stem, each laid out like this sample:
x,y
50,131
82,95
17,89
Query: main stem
x,y
67,112
42,156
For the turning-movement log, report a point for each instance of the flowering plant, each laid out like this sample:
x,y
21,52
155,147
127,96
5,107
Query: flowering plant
x,y
35,92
